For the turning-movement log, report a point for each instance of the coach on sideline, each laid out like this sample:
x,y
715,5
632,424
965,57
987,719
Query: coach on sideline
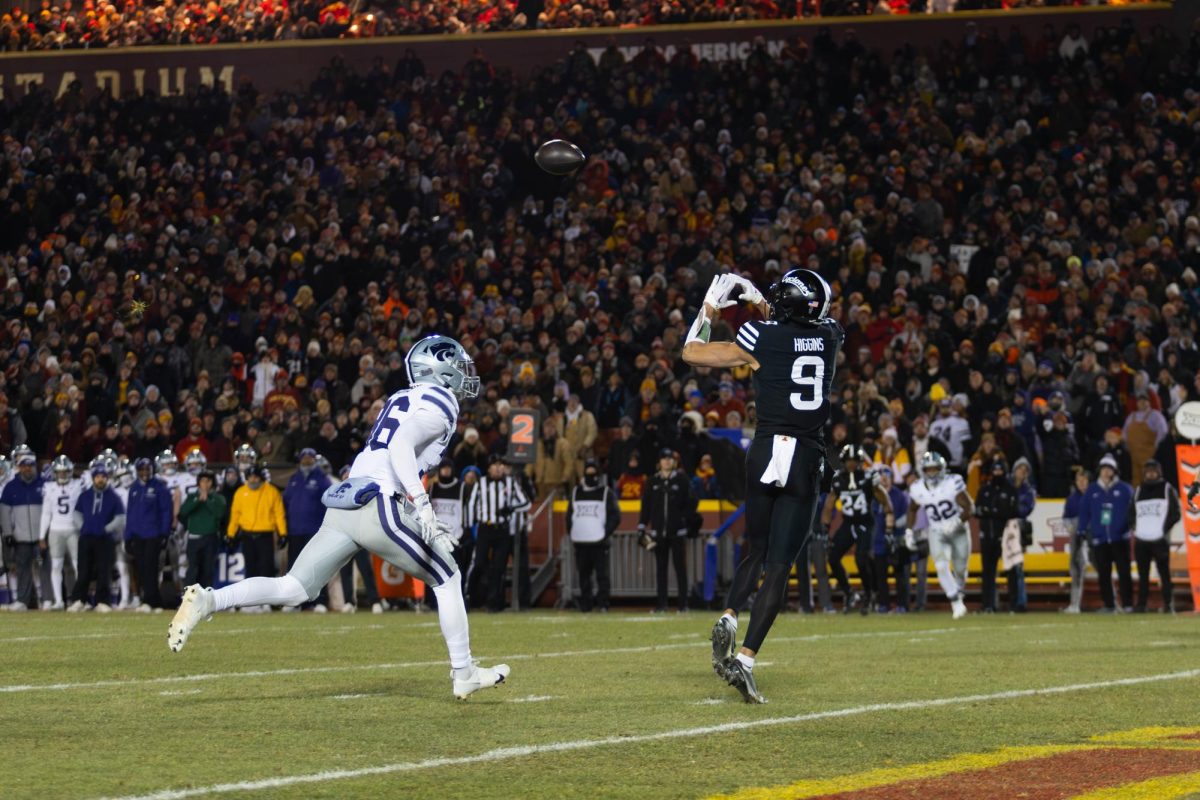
x,y
257,515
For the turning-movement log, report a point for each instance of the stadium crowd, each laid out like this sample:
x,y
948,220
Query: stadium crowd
x,y
1015,272
91,24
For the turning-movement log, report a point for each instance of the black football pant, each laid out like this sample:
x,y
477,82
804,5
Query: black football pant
x,y
147,555
202,560
259,551
1106,556
1158,552
858,536
492,549
95,564
592,558
671,548
783,516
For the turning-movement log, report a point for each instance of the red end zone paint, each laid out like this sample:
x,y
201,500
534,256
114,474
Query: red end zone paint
x,y
1055,777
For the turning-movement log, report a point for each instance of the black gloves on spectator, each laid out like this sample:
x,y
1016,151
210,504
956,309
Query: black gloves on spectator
x,y
281,542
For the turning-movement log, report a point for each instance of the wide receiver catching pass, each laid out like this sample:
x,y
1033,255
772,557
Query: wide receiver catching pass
x,y
793,355
372,509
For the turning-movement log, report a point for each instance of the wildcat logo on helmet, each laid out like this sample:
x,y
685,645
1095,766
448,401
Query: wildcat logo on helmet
x,y
443,351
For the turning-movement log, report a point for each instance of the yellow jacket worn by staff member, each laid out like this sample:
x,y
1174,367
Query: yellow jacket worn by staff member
x,y
257,511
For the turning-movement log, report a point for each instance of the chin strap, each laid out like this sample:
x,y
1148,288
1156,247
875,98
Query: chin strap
x,y
701,329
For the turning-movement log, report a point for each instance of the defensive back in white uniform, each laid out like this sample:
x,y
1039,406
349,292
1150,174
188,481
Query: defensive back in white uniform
x,y
383,507
942,495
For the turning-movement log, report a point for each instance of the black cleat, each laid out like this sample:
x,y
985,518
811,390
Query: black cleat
x,y
724,642
741,677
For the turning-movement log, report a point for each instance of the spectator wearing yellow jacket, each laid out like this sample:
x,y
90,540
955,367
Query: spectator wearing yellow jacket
x,y
256,517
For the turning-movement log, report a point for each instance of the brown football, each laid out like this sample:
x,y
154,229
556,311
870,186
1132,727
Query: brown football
x,y
559,157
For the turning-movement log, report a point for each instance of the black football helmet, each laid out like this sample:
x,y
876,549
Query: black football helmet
x,y
799,295
853,453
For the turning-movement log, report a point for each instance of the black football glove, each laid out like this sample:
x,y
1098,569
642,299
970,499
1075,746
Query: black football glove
x,y
281,542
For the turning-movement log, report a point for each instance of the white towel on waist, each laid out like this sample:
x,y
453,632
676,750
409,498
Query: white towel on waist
x,y
783,448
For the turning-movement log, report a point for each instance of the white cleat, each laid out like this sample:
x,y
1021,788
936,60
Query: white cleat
x,y
320,608
349,608
76,607
144,609
197,605
59,606
17,605
959,607
377,608
481,678
103,608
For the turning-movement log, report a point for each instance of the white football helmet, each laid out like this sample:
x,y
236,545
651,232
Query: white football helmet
x,y
166,463
441,361
63,470
195,462
933,467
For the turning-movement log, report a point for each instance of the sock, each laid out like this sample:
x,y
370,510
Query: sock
x,y
285,591
452,614
747,660
731,618
946,578
56,579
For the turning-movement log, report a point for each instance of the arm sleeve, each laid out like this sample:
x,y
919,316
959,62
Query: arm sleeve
x,y
280,517
420,429
1084,514
118,522
47,512
469,511
519,501
1174,511
612,516
5,519
188,507
570,510
166,511
77,516
644,514
234,517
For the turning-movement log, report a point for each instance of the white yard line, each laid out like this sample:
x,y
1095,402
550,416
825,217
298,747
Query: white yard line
x,y
212,676
217,632
522,751
533,698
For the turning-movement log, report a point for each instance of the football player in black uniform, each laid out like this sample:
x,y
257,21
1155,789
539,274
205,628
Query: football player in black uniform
x,y
793,354
854,487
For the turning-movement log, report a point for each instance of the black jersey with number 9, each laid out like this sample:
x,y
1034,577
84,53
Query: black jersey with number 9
x,y
792,383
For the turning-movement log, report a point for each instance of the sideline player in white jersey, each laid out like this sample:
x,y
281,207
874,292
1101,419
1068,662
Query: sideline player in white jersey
x,y
59,535
382,507
122,479
194,463
943,497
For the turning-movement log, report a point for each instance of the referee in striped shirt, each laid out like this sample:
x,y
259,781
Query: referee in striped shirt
x,y
494,500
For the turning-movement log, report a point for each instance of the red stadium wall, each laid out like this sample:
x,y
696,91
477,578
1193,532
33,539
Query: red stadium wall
x,y
292,65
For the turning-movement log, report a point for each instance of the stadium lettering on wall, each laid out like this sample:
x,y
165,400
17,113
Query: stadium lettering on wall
x,y
284,66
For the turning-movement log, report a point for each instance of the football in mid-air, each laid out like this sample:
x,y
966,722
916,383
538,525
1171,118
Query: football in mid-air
x,y
559,157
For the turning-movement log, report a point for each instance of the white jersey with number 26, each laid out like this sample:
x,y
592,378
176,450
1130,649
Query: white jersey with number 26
x,y
938,501
408,439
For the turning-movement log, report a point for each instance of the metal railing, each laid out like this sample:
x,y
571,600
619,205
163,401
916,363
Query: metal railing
x,y
633,570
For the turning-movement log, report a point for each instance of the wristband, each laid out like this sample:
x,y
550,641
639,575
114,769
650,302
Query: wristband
x,y
701,329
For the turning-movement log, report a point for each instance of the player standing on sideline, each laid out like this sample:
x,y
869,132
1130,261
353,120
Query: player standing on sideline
x,y
943,496
855,487
382,507
793,355
59,532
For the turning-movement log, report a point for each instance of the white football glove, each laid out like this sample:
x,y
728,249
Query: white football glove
x,y
750,292
425,517
718,292
910,540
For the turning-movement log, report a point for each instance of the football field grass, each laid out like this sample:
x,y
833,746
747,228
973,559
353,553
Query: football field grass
x,y
619,705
